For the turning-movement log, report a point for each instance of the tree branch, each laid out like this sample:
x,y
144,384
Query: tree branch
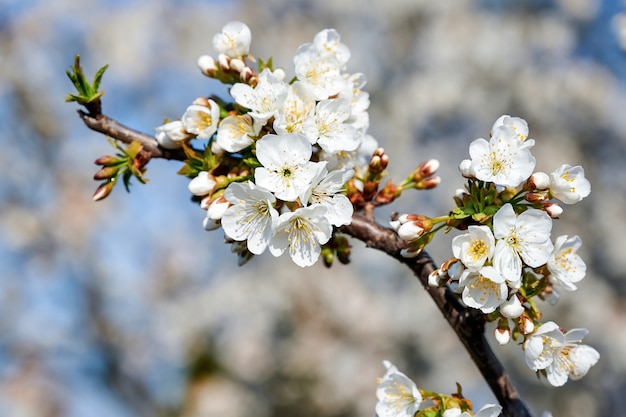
x,y
468,324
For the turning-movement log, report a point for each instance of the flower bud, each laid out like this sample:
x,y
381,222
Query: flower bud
x,y
105,173
207,65
210,224
237,65
539,181
279,73
428,183
103,190
536,197
434,278
426,169
526,325
217,208
246,74
224,62
553,209
466,168
502,335
203,184
410,231
551,295
411,253
106,160
512,308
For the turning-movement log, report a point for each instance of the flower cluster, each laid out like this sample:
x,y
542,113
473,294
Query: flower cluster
x,y
398,396
279,154
506,256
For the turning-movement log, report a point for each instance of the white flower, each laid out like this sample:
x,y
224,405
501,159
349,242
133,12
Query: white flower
x,y
326,190
568,184
397,394
526,236
286,171
302,231
502,160
170,134
237,132
321,74
489,410
519,126
202,184
484,290
200,120
334,134
359,101
234,40
327,42
475,247
264,99
561,355
216,209
565,265
296,113
251,217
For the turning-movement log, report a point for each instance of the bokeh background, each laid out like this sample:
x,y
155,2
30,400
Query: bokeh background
x,y
127,307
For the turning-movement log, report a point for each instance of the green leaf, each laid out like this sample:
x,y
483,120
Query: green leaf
x,y
87,92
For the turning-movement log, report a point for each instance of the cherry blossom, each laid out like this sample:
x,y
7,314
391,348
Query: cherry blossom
x,y
397,394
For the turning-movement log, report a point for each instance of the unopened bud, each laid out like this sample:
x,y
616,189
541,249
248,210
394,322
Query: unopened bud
x,y
246,74
210,224
202,101
553,209
539,181
434,278
217,208
237,65
410,252
414,228
279,73
428,183
526,325
103,190
224,62
105,173
512,308
551,295
426,169
106,160
536,197
466,168
502,335
203,184
207,65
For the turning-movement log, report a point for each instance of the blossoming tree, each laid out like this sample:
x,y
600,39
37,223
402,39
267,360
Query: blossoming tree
x,y
285,165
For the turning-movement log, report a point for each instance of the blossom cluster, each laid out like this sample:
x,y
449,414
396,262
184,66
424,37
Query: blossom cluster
x,y
398,396
507,256
288,147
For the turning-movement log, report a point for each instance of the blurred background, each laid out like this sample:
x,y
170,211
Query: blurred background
x,y
127,307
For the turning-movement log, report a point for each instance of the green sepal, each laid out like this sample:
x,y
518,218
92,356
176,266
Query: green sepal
x,y
269,64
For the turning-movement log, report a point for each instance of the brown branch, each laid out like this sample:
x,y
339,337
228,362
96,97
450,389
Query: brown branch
x,y
468,324
112,128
